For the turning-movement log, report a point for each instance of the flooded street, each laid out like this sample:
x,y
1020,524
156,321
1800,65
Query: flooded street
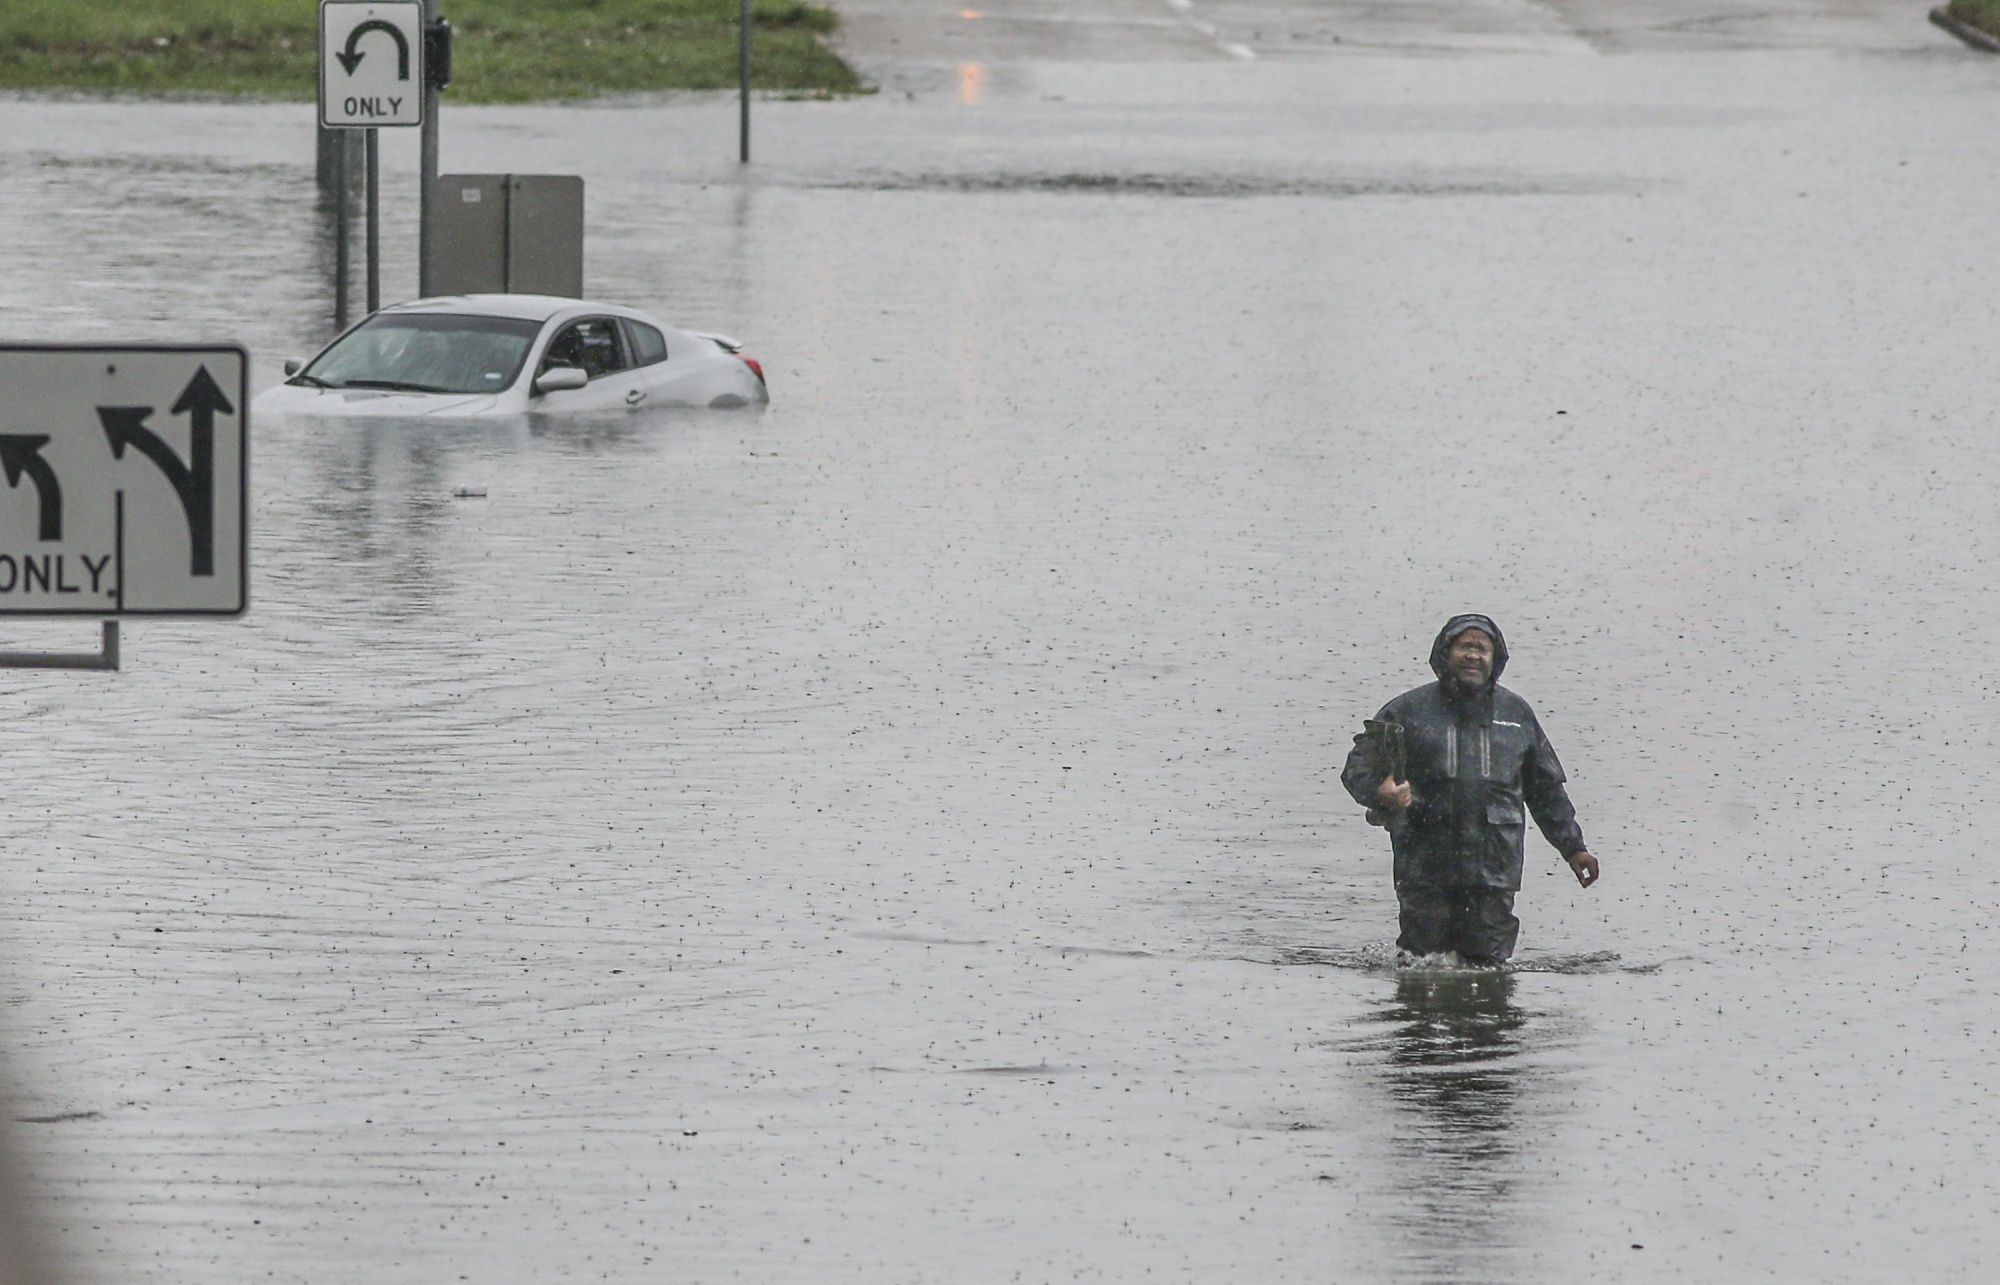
x,y
896,835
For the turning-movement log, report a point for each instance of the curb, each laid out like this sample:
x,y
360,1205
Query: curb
x,y
1971,35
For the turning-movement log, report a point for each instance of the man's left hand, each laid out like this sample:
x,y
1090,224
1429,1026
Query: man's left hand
x,y
1584,866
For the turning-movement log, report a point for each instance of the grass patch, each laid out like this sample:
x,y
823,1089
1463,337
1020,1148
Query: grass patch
x,y
1983,14
504,51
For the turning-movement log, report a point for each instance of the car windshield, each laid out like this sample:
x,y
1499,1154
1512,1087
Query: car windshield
x,y
426,353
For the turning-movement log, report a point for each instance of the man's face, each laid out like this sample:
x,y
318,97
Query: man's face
x,y
1470,658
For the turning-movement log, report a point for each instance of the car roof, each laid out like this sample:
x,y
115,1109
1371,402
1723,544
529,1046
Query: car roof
x,y
527,307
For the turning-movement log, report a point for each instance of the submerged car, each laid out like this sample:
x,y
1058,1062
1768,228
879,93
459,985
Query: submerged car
x,y
508,354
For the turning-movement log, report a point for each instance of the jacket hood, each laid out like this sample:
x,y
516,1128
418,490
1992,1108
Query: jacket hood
x,y
1458,625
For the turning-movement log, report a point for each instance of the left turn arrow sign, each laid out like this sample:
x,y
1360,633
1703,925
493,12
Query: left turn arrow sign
x,y
22,452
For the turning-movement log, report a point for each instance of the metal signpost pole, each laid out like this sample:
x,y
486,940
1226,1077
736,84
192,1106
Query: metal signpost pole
x,y
374,222
428,167
340,235
107,658
743,74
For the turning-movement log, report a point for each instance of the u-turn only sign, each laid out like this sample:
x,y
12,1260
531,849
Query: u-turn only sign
x,y
124,480
371,63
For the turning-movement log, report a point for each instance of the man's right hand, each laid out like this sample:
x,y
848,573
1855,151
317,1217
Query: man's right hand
x,y
1393,795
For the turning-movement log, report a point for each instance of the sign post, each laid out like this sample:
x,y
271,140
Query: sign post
x,y
743,76
342,247
372,168
373,73
437,74
371,63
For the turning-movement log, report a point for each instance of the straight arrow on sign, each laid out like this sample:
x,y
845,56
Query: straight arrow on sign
x,y
193,481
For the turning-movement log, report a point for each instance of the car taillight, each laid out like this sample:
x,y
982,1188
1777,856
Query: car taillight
x,y
755,368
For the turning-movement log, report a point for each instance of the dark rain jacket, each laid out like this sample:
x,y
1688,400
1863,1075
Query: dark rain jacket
x,y
1475,762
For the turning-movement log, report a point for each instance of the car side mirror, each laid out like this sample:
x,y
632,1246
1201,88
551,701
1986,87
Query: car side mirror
x,y
559,379
293,365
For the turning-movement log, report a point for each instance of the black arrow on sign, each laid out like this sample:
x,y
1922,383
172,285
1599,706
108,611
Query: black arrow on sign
x,y
194,481
22,452
352,58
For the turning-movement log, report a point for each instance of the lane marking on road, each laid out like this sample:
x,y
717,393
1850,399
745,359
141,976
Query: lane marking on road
x,y
1211,33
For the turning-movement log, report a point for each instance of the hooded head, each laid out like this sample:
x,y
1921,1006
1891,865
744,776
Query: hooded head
x,y
1449,634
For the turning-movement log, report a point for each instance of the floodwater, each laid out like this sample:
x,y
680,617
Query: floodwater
x,y
894,836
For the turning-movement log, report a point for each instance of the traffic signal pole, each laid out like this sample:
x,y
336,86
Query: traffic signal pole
x,y
428,162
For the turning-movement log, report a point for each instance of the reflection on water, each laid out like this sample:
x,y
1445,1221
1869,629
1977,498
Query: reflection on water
x,y
1454,1071
380,507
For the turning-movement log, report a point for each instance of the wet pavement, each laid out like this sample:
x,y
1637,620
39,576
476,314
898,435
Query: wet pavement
x,y
895,835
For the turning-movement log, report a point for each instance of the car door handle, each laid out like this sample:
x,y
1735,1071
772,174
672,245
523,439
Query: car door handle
x,y
634,397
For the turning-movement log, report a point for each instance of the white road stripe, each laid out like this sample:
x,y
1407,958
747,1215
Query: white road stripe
x,y
1208,29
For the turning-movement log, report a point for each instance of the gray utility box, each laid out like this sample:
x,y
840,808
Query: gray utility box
x,y
511,233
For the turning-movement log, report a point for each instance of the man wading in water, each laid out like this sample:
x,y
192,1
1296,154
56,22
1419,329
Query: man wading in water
x,y
1447,768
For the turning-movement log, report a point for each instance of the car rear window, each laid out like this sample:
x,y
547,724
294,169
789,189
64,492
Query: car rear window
x,y
648,344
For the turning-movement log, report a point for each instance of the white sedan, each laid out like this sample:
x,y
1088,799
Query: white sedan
x,y
513,354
